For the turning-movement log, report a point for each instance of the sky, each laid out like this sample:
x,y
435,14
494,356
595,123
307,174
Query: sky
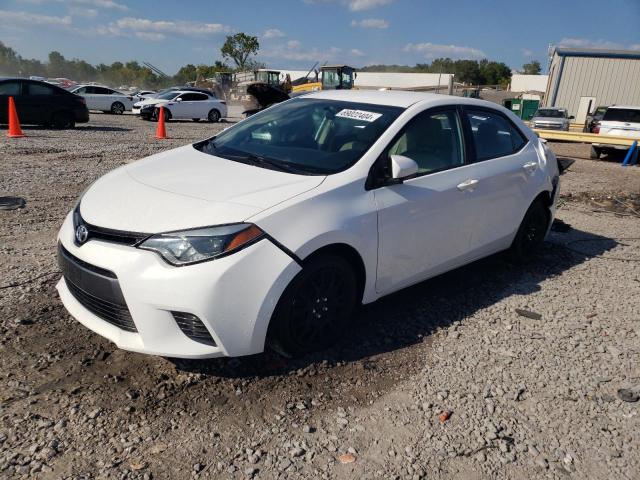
x,y
294,34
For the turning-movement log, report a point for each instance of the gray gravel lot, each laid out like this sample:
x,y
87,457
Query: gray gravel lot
x,y
456,377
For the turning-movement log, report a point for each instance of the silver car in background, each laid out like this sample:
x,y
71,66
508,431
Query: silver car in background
x,y
552,118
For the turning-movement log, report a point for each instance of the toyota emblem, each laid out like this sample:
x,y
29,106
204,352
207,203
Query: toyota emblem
x,y
81,234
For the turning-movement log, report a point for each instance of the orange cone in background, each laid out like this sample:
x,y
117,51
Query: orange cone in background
x,y
14,123
161,132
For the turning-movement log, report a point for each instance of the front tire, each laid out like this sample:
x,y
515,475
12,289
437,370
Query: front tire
x,y
117,108
316,307
531,233
156,114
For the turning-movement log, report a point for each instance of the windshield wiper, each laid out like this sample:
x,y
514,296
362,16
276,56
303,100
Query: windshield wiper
x,y
266,162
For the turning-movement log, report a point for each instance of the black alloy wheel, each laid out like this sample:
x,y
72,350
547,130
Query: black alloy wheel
x,y
316,308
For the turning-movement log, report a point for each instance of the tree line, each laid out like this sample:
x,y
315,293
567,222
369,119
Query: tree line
x,y
129,73
473,72
240,49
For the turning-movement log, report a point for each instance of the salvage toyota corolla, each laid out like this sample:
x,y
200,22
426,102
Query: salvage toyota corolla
x,y
274,230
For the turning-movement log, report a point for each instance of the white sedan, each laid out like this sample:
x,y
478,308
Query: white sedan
x,y
183,105
104,99
273,231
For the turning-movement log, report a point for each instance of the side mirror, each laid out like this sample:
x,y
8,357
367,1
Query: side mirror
x,y
178,99
402,167
571,117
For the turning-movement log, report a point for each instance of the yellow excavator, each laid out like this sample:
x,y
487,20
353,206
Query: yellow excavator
x,y
332,77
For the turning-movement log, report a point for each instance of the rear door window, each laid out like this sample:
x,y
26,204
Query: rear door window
x,y
627,115
493,135
10,88
102,91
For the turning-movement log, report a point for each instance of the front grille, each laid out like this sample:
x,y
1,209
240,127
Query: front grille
x,y
112,313
97,289
193,328
107,234
114,236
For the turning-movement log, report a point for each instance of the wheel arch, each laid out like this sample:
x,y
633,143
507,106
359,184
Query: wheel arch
x,y
350,254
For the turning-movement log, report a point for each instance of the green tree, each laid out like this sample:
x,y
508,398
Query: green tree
x,y
239,48
467,71
531,68
493,73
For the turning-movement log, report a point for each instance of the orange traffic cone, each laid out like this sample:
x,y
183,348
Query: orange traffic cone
x,y
14,123
161,132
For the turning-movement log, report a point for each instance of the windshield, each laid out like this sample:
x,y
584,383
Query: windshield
x,y
304,135
168,96
629,115
330,79
547,112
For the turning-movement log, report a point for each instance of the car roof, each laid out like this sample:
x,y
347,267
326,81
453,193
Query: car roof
x,y
625,107
396,98
178,92
92,85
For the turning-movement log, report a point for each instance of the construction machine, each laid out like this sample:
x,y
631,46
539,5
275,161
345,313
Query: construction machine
x,y
332,77
257,90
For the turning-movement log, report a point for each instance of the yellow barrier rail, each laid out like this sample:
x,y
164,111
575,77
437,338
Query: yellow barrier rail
x,y
581,137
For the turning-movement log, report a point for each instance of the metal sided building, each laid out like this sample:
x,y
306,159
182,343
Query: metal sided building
x,y
582,77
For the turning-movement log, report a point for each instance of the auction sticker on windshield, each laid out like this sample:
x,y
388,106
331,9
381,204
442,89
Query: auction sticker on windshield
x,y
359,115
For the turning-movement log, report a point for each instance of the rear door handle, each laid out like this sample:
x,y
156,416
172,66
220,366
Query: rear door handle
x,y
467,185
530,167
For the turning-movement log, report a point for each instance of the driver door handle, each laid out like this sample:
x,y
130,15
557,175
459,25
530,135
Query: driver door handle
x,y
467,185
530,167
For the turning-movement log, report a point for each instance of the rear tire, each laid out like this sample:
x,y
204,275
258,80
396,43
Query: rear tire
x,y
531,233
595,152
316,307
63,120
117,108
213,116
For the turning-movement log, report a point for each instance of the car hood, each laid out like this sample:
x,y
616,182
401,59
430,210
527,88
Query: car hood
x,y
150,101
549,119
185,188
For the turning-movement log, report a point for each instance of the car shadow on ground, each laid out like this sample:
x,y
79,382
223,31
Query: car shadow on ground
x,y
101,128
405,318
83,128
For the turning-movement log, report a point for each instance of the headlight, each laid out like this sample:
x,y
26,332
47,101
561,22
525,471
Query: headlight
x,y
201,244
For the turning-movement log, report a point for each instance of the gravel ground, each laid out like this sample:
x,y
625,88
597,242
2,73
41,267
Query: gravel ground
x,y
490,371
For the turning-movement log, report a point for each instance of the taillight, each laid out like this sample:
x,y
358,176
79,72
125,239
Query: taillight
x,y
82,100
596,129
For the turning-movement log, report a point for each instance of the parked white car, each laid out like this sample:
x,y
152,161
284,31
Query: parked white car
x,y
618,121
183,105
275,229
104,98
140,95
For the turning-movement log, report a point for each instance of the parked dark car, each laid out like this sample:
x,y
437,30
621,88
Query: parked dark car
x,y
594,118
40,103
